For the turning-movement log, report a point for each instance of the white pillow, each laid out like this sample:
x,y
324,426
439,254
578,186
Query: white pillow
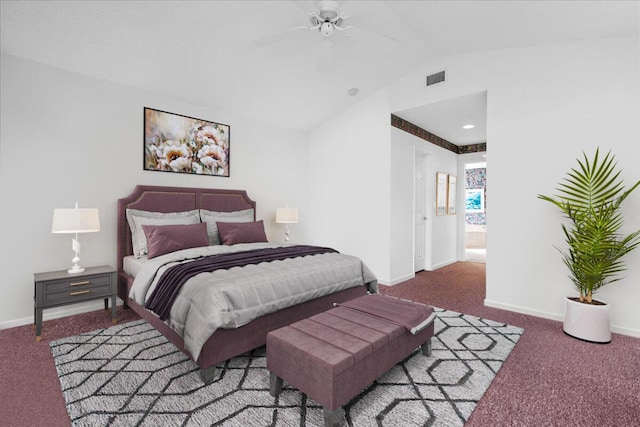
x,y
136,218
211,217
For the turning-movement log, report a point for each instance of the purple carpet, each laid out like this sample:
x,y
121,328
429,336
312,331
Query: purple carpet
x,y
548,379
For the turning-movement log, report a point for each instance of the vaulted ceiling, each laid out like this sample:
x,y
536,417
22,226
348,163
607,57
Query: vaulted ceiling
x,y
204,52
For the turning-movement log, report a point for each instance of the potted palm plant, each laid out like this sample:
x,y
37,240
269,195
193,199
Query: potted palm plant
x,y
590,197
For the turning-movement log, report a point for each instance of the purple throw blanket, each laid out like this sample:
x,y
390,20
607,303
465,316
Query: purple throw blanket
x,y
412,316
172,280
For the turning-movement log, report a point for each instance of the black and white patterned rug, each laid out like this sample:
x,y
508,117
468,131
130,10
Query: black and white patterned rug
x,y
130,375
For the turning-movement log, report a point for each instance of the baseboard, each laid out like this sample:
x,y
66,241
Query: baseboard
x,y
524,310
56,313
442,264
400,279
392,282
625,331
555,316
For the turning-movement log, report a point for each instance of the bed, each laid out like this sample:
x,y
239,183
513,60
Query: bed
x,y
225,342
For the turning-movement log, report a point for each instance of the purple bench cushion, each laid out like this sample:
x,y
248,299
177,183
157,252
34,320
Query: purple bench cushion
x,y
412,316
377,335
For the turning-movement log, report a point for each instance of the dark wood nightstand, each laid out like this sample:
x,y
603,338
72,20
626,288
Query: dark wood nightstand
x,y
58,288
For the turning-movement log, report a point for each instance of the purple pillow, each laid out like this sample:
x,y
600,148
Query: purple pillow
x,y
162,239
241,232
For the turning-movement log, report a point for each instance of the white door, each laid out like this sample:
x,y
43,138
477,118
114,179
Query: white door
x,y
420,259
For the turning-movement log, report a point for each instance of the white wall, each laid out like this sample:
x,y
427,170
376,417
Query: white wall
x,y
544,106
402,223
350,183
67,138
362,190
441,229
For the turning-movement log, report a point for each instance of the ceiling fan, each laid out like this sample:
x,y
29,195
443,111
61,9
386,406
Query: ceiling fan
x,y
326,20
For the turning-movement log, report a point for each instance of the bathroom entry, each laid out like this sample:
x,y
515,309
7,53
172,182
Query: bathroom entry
x,y
475,211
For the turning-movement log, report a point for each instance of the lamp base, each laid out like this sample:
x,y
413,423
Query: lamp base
x,y
76,263
75,269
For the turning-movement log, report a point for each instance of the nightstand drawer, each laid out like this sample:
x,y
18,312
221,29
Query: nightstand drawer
x,y
79,284
74,294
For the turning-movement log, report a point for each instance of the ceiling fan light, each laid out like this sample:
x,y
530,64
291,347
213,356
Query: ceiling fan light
x,y
326,29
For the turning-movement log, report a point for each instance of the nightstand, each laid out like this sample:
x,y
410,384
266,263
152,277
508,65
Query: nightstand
x,y
58,288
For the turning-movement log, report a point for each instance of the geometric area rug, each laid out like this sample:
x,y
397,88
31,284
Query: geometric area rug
x,y
130,375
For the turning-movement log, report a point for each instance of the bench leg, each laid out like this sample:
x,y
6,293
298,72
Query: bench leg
x,y
426,348
275,385
207,375
333,418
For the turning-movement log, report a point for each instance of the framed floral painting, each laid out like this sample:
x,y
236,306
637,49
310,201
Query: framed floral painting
x,y
177,143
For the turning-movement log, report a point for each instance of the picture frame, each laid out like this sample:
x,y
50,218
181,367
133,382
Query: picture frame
x,y
182,144
441,193
451,194
474,200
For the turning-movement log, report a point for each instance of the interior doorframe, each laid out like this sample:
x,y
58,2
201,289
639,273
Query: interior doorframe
x,y
429,201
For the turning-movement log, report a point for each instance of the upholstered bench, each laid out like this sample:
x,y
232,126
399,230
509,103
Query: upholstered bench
x,y
333,356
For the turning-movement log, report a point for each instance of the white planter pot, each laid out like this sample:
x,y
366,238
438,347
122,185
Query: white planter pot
x,y
587,322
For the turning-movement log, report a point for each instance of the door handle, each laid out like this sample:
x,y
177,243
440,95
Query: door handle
x,y
86,282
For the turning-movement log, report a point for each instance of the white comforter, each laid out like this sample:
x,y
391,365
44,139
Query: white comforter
x,y
234,297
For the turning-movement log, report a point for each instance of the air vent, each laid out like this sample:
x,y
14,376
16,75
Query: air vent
x,y
435,78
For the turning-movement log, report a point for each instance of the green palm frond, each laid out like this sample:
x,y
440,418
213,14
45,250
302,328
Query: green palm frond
x,y
590,197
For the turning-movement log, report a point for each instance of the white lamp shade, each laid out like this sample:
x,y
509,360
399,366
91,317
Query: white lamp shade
x,y
76,220
287,215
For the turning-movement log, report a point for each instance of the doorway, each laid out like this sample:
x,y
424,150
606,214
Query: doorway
x,y
475,221
454,132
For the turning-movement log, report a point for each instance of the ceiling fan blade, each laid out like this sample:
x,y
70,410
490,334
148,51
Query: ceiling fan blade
x,y
273,38
356,25
324,55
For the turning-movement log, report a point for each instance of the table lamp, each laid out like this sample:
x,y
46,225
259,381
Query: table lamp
x,y
70,221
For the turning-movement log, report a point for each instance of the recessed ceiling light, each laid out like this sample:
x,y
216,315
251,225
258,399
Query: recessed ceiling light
x,y
468,127
353,91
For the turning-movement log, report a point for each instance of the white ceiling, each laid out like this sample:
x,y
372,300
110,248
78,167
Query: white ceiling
x,y
202,52
447,118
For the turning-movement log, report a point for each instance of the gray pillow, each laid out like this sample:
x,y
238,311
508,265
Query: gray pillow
x,y
136,218
211,217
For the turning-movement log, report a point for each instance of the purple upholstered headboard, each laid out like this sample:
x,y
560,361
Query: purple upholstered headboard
x,y
175,199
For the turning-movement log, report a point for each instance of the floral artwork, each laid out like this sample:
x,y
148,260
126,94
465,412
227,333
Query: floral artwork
x,y
176,143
